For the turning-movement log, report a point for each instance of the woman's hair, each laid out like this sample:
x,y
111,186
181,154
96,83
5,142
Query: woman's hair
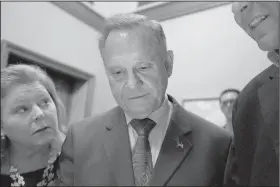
x,y
15,75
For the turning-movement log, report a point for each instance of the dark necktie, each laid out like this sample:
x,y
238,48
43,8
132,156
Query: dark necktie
x,y
141,154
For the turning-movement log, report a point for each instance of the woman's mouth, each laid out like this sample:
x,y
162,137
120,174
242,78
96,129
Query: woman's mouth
x,y
41,130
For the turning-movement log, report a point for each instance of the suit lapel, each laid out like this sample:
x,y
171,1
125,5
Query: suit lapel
x,y
269,100
117,147
175,147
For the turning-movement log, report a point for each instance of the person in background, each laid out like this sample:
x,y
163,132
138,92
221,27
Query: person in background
x,y
256,111
148,139
30,137
227,99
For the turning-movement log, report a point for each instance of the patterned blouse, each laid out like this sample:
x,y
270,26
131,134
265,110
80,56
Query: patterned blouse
x,y
41,177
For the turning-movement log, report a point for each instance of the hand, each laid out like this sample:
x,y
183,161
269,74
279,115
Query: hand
x,y
56,145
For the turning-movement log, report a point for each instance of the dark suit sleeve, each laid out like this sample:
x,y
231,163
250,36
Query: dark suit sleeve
x,y
65,171
231,177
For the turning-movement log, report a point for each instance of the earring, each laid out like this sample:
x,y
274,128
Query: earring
x,y
3,144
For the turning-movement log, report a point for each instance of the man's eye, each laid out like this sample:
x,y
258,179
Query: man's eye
x,y
143,68
117,72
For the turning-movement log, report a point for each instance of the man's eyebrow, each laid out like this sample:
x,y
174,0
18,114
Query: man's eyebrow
x,y
114,67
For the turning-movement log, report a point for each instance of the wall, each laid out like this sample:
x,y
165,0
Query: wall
x,y
211,53
44,28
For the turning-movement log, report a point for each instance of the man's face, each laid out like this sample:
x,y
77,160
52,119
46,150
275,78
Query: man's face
x,y
138,70
226,101
260,20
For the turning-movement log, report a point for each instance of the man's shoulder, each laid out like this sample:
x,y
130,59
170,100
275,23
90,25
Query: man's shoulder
x,y
93,123
249,96
203,127
206,134
212,130
259,80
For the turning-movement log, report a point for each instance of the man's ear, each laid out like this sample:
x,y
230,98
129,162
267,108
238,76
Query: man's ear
x,y
169,62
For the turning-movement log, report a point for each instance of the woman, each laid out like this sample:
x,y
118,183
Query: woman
x,y
31,113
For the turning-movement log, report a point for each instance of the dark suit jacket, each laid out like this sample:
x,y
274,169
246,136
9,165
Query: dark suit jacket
x,y
255,154
97,152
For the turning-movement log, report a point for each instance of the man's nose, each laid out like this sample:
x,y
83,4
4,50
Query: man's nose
x,y
133,80
229,104
37,113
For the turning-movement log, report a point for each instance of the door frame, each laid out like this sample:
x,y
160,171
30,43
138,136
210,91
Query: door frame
x,y
8,47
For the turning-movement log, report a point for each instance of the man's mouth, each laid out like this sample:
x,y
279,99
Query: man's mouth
x,y
137,97
257,21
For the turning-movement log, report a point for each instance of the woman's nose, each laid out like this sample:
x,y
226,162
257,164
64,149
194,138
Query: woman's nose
x,y
38,113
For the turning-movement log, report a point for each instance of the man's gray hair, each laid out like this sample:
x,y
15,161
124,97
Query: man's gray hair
x,y
132,21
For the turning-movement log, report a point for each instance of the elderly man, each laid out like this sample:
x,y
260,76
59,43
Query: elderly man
x,y
148,139
256,113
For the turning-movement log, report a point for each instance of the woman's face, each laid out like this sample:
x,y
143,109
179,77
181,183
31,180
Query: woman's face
x,y
29,115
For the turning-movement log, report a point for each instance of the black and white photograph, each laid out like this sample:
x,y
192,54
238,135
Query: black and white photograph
x,y
140,93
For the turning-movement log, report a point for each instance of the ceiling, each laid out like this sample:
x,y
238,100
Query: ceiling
x,y
141,3
95,13
107,9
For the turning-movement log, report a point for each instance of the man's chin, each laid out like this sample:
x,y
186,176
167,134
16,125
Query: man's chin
x,y
268,43
138,114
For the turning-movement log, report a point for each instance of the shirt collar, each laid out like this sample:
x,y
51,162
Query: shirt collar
x,y
156,115
273,57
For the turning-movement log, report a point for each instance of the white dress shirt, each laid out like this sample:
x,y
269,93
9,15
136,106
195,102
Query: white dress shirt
x,y
161,117
274,58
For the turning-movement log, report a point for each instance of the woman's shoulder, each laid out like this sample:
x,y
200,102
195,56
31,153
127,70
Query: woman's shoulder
x,y
29,178
42,177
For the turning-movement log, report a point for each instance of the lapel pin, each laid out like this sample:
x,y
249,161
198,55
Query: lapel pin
x,y
179,144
